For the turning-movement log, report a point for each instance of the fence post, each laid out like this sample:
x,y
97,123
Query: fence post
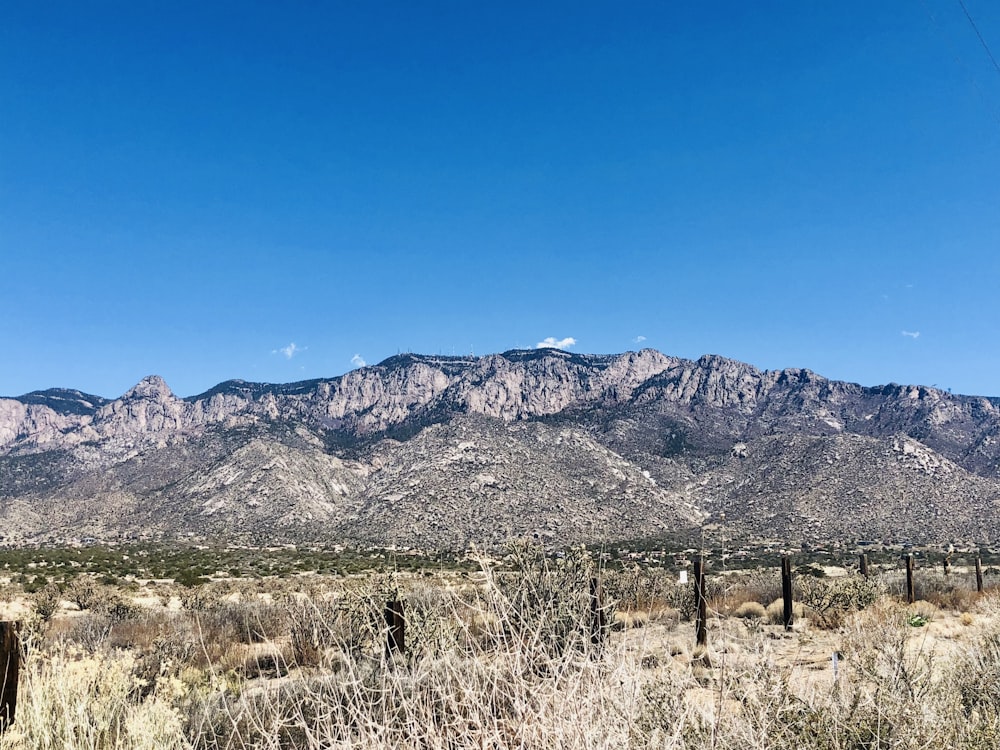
x,y
947,564
863,566
395,640
979,574
909,579
598,617
786,591
701,606
10,658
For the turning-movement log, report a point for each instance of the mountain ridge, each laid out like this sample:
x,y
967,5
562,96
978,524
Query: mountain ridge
x,y
622,445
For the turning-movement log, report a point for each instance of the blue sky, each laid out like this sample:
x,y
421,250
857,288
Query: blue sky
x,y
189,189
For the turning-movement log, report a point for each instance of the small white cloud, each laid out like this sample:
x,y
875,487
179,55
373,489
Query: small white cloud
x,y
638,339
289,351
912,334
358,361
553,343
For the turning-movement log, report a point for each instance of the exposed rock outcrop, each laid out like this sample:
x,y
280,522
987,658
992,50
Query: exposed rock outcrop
x,y
572,446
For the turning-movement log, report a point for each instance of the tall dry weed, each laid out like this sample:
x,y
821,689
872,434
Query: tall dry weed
x,y
505,662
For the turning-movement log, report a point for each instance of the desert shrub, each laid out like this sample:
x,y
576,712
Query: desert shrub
x,y
351,623
922,610
668,617
213,635
89,632
471,678
432,627
831,599
762,586
629,620
775,611
176,640
544,601
201,598
952,592
750,610
85,592
875,643
33,584
811,570
47,601
142,630
988,604
976,675
90,703
857,593
118,609
447,702
253,621
313,629
662,712
639,588
680,597
190,578
502,692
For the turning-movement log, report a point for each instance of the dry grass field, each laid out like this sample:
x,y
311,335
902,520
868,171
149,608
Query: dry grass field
x,y
505,659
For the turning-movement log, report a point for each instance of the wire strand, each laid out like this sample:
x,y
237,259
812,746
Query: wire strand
x,y
982,41
990,108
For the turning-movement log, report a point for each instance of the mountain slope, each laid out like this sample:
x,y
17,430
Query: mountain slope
x,y
564,446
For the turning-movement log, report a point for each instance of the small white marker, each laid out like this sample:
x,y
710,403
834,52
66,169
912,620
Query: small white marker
x,y
836,663
684,576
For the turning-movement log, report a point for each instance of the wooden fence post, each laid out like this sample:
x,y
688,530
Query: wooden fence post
x,y
395,640
701,606
786,591
10,658
598,617
947,564
863,565
909,579
979,574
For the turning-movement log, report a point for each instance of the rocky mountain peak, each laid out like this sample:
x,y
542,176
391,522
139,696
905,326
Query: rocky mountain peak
x,y
794,377
573,445
64,401
718,362
150,387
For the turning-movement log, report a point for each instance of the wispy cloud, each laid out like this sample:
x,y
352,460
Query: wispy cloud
x,y
289,351
358,361
638,339
912,334
553,343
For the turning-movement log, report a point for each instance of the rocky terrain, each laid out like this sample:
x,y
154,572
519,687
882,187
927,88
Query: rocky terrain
x,y
448,451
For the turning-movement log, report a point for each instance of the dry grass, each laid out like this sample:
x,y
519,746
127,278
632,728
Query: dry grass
x,y
507,662
750,611
96,701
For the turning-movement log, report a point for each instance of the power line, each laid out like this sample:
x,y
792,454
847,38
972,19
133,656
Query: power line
x,y
982,41
953,47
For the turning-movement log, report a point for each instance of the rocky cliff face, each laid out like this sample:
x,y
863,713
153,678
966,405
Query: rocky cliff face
x,y
567,447
512,386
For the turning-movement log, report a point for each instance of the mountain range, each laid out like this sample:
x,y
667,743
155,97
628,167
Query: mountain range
x,y
435,451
